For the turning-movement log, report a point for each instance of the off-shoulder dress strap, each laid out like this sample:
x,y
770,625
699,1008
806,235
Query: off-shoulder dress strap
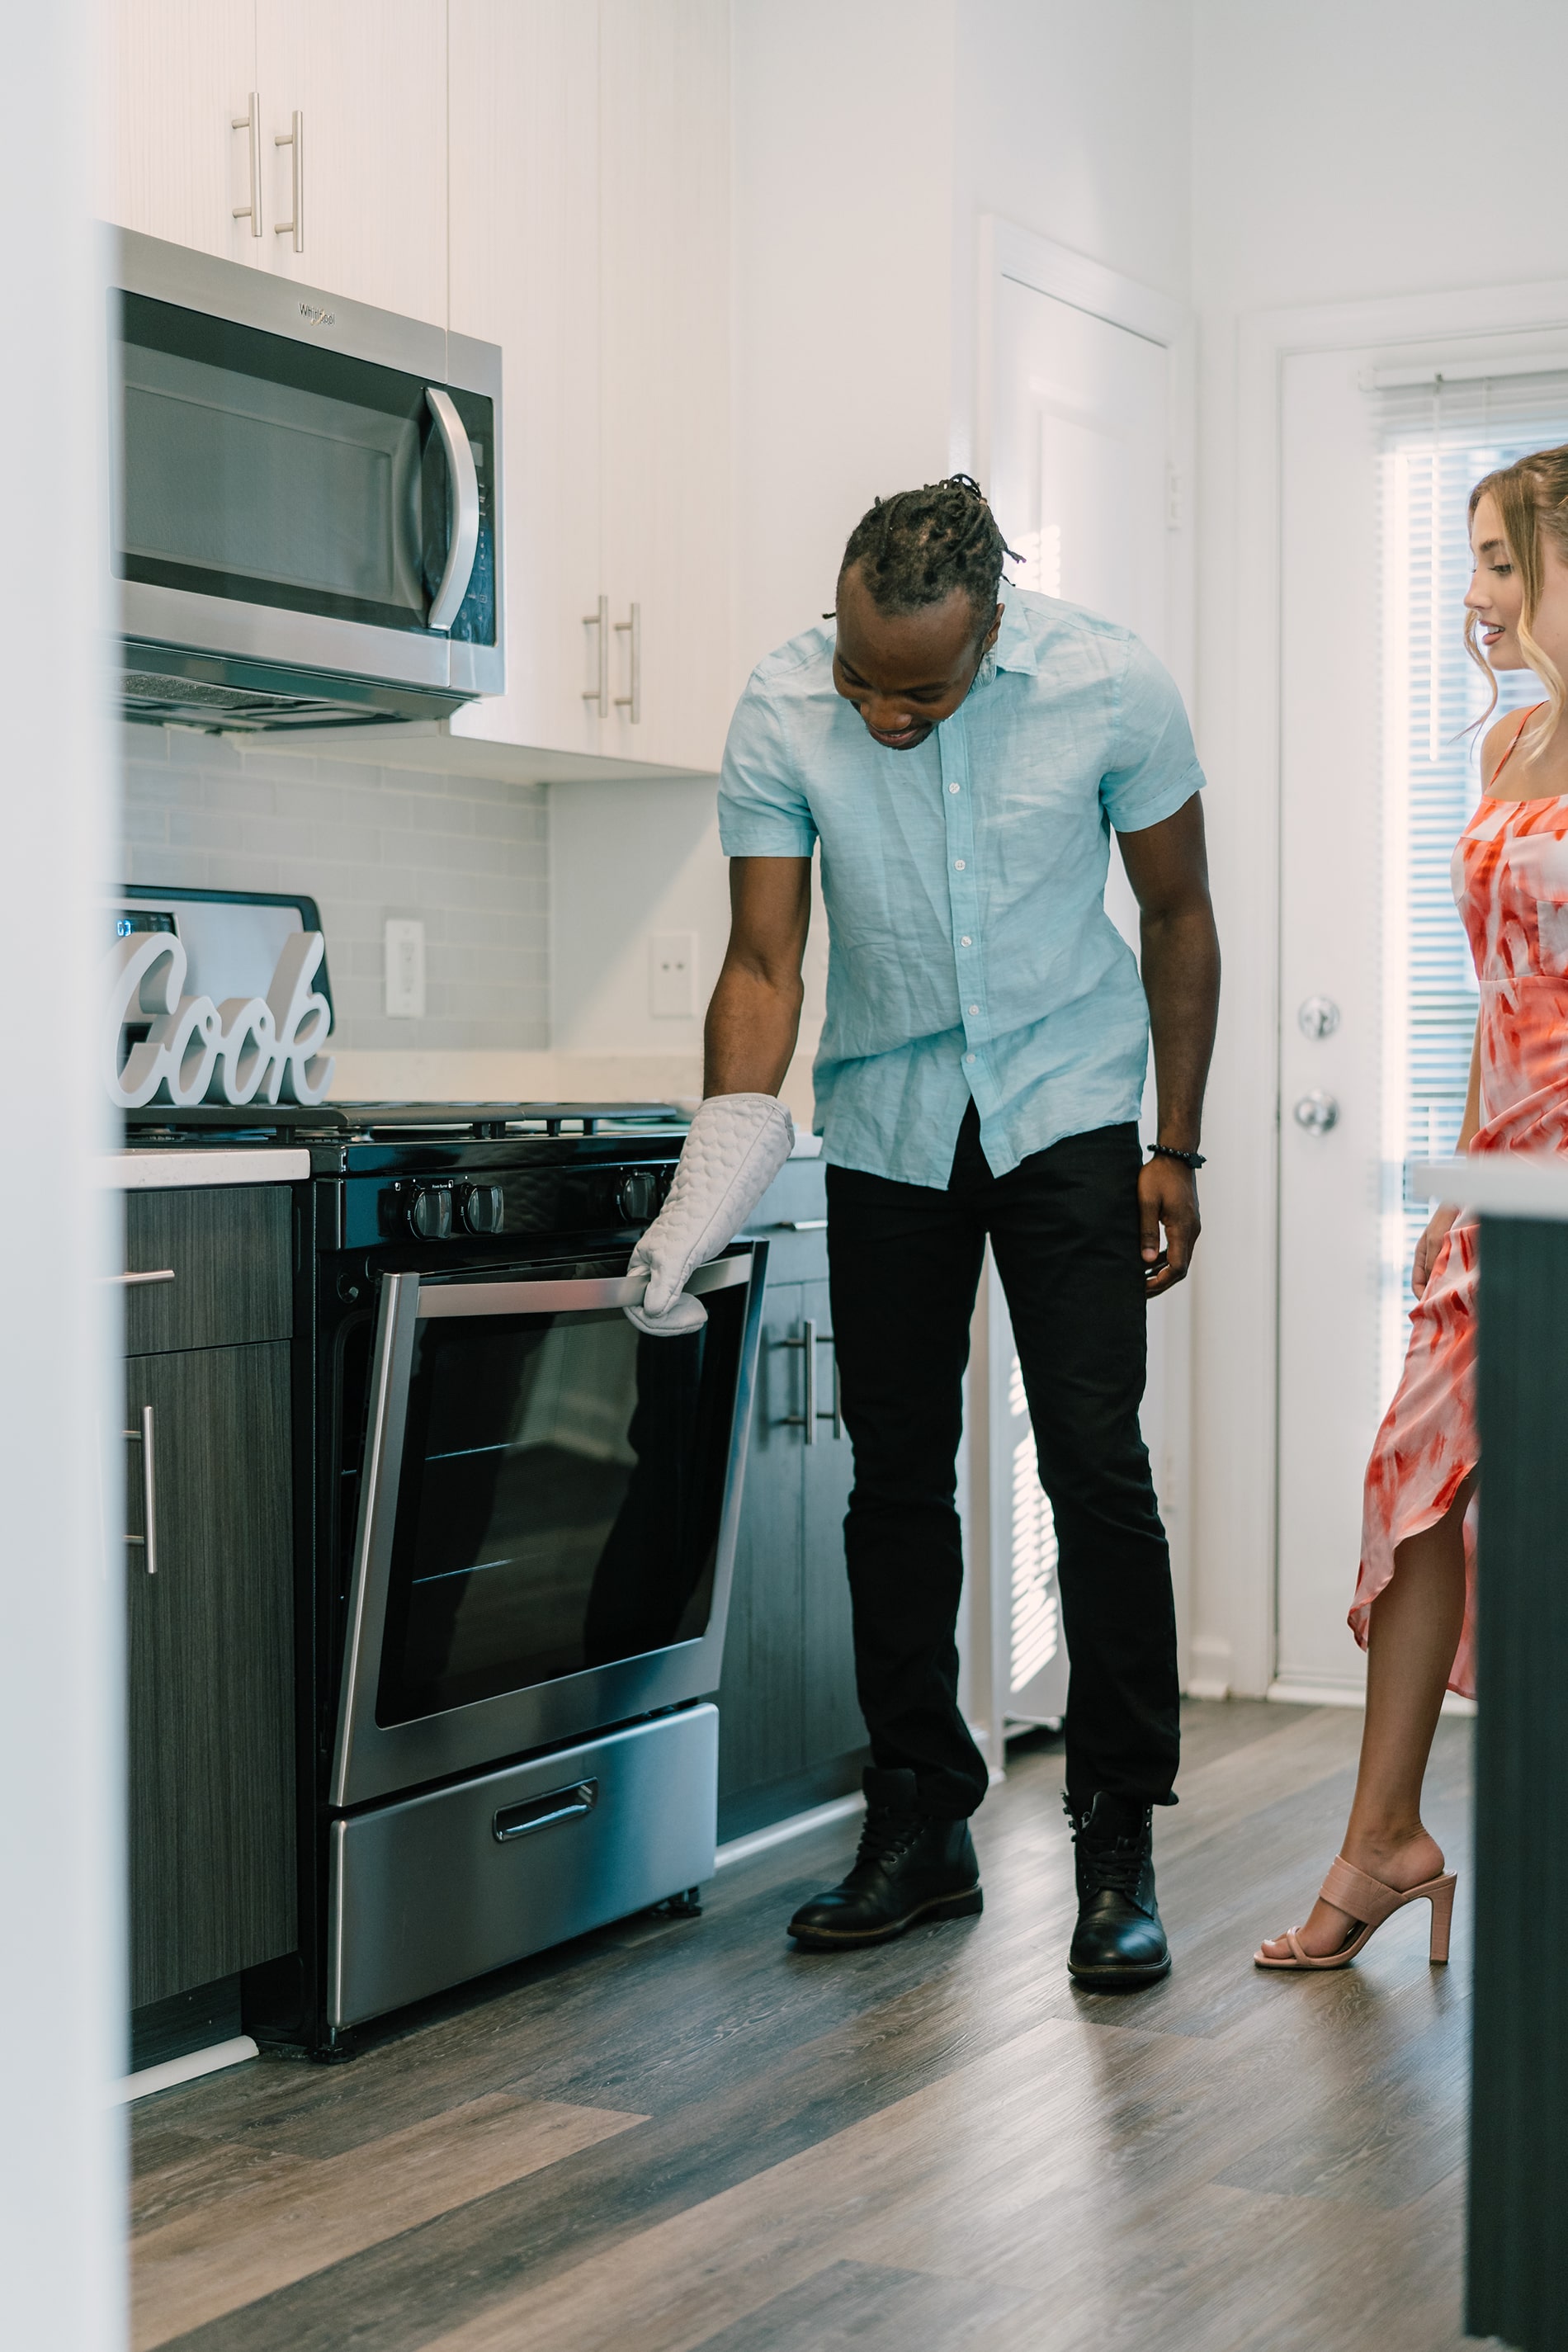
x,y
1524,718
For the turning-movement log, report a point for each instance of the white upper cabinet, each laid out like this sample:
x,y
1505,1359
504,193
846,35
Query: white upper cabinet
x,y
366,82
665,310
525,273
176,167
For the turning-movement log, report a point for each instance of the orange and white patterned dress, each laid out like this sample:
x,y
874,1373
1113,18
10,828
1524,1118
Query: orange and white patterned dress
x,y
1511,884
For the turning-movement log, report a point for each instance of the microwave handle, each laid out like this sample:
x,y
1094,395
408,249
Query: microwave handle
x,y
463,475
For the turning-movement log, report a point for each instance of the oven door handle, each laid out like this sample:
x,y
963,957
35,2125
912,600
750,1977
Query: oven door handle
x,y
440,1300
463,511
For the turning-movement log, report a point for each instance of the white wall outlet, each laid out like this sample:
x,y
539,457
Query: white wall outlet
x,y
672,975
404,969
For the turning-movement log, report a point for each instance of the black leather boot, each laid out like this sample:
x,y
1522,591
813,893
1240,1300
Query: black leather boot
x,y
1119,1943
911,1866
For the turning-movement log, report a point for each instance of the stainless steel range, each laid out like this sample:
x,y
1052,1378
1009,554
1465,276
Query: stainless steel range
x,y
516,1522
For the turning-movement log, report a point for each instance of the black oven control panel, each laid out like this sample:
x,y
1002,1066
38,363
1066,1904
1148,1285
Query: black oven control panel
x,y
496,1203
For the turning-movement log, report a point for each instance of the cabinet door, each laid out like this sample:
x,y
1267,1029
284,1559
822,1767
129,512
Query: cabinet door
x,y
664,321
174,166
832,1724
369,76
211,1669
525,274
760,1698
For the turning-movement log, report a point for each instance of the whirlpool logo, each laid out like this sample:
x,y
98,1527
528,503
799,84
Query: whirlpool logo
x,y
318,318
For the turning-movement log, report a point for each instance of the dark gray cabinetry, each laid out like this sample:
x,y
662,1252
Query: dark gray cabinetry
x,y
210,1609
790,1730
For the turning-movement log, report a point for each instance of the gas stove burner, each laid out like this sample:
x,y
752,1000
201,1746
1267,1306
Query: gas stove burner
x,y
447,1122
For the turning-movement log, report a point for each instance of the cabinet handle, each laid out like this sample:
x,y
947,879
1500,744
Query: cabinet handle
x,y
568,1804
600,621
632,703
800,1225
837,1414
251,121
463,512
294,226
149,1540
805,1422
130,1281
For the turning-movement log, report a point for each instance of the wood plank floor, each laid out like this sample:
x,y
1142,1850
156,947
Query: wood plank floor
x,y
685,2137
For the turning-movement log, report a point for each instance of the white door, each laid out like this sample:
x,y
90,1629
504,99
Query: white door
x,y
1376,999
175,165
1080,480
368,80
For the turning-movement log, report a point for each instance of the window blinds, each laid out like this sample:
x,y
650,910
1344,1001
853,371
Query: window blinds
x,y
1437,433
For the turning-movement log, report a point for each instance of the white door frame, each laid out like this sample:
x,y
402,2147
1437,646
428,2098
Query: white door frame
x,y
1008,252
1237,1409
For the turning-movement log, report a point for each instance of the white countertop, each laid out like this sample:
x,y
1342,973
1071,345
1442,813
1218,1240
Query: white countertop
x,y
1497,1184
152,1170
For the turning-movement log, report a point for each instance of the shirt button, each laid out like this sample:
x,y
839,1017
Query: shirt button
x,y
966,942
969,1057
952,788
975,1008
958,865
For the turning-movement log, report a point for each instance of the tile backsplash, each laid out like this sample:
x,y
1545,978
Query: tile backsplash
x,y
467,857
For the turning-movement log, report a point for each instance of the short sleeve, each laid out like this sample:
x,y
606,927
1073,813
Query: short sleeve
x,y
763,811
1156,770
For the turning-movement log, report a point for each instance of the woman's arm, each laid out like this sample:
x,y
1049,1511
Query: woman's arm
x,y
1432,1240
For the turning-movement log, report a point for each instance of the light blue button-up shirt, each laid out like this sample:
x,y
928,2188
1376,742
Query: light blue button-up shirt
x,y
970,952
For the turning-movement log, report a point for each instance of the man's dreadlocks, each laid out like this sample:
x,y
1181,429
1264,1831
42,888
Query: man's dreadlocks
x,y
915,548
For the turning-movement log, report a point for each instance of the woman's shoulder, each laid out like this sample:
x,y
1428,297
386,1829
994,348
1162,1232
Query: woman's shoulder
x,y
1497,743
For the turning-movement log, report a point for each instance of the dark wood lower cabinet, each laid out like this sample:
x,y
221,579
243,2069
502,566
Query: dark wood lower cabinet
x,y
790,1731
211,1669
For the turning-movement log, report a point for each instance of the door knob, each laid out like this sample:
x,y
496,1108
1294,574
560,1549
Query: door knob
x,y
1318,1016
1317,1112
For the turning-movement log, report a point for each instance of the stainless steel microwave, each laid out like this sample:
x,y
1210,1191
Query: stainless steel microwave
x,y
305,506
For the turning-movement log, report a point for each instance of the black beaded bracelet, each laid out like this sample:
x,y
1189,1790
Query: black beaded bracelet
x,y
1168,1152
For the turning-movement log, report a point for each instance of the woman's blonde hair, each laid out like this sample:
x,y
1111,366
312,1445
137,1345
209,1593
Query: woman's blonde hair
x,y
1532,497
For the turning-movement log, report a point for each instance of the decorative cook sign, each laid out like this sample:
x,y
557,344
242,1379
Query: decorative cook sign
x,y
246,1049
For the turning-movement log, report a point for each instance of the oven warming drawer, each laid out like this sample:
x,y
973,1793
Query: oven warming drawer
x,y
438,1888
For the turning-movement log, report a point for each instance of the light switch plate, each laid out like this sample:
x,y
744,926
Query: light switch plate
x,y
672,975
404,969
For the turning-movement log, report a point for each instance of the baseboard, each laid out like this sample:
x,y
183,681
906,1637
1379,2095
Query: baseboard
x,y
188,2069
820,1817
1292,1693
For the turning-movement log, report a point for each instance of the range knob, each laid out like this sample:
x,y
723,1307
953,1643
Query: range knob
x,y
637,1196
430,1213
484,1207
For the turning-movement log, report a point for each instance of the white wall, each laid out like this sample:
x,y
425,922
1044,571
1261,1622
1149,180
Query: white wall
x,y
62,1468
1342,152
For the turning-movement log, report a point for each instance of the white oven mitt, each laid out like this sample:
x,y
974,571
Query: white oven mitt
x,y
736,1146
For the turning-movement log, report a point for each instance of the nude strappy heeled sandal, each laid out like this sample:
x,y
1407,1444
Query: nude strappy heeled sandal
x,y
1371,1902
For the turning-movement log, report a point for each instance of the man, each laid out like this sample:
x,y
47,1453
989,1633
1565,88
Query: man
x,y
962,751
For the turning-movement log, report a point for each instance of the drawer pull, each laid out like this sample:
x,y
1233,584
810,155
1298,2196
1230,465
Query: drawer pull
x,y
800,1225
537,1812
130,1281
148,1540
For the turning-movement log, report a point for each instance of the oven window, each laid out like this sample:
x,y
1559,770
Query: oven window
x,y
561,1484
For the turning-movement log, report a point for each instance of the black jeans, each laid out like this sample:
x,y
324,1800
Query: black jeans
x,y
904,1262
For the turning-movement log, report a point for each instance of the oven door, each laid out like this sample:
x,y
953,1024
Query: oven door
x,y
547,1517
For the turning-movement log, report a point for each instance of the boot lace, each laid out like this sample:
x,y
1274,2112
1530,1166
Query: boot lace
x,y
886,1835
1114,1866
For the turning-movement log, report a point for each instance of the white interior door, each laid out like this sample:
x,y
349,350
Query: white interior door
x,y
1080,472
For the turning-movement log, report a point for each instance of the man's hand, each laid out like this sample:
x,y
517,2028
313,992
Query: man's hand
x,y
1168,1196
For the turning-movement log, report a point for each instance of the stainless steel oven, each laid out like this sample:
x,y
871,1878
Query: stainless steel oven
x,y
545,1534
307,500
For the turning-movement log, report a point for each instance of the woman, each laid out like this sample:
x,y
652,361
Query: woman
x,y
1414,1610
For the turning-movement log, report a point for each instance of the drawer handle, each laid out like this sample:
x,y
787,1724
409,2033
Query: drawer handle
x,y
538,1812
130,1281
149,1540
800,1225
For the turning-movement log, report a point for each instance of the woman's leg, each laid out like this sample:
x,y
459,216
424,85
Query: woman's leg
x,y
1414,1634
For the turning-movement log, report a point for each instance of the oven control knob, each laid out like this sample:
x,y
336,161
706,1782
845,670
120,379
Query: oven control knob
x,y
430,1212
638,1197
484,1206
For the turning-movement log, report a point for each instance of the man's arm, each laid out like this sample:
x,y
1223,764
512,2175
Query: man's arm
x,y
753,1018
1168,868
